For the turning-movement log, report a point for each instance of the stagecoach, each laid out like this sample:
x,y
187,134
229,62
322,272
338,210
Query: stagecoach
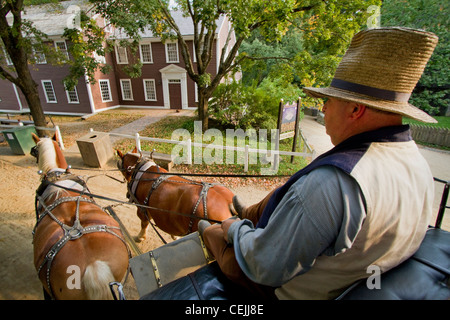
x,y
183,269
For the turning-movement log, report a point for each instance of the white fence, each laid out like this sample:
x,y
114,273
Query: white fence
x,y
189,145
246,150
437,136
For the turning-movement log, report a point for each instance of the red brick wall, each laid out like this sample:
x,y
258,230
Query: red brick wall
x,y
8,96
151,71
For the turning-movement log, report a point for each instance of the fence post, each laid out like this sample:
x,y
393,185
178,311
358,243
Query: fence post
x,y
246,158
138,142
189,151
59,136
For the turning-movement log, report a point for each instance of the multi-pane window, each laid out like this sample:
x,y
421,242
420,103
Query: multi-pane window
x,y
99,58
50,96
127,92
39,56
108,27
121,55
172,52
105,90
62,47
72,96
149,90
146,53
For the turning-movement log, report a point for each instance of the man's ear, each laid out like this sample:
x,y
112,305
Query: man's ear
x,y
358,110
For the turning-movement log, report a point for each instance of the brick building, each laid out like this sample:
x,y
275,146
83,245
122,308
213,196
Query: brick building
x,y
164,83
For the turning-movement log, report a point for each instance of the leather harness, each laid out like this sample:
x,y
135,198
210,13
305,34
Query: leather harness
x,y
141,167
74,232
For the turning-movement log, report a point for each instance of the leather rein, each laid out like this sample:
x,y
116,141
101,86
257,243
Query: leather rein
x,y
141,167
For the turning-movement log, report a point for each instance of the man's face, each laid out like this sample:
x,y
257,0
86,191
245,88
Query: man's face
x,y
336,115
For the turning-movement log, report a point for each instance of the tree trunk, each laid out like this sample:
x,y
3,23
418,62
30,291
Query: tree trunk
x,y
29,89
34,103
203,114
16,47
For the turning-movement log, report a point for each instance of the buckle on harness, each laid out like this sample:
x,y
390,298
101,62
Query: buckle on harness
x,y
51,254
74,233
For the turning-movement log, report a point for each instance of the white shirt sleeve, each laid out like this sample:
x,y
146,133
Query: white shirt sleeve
x,y
320,214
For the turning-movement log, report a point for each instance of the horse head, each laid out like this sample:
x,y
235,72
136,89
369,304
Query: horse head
x,y
127,162
48,154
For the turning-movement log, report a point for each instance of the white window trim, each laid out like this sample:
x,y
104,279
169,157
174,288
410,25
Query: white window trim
x,y
109,89
131,89
151,53
99,59
45,91
145,89
193,46
107,25
38,55
116,47
66,52
167,52
195,92
68,96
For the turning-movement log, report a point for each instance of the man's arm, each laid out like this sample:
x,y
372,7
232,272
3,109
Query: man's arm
x,y
320,214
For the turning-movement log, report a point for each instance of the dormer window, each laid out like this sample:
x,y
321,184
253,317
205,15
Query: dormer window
x,y
62,47
121,55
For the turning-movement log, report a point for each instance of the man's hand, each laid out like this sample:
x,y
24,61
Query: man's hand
x,y
226,225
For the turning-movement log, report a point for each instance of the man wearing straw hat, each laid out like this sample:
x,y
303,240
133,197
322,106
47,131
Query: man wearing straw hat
x,y
366,202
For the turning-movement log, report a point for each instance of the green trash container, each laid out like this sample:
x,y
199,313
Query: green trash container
x,y
20,139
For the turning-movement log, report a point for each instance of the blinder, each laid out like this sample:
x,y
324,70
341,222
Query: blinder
x,y
35,152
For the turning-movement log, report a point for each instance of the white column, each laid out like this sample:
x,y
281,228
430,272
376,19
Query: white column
x,y
184,92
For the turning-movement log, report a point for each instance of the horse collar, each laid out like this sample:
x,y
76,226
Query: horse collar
x,y
139,170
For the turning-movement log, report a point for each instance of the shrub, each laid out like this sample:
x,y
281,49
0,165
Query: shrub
x,y
250,106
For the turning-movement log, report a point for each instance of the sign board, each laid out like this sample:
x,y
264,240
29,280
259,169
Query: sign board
x,y
288,122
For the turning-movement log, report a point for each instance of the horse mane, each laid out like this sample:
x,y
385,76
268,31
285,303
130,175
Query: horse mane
x,y
47,155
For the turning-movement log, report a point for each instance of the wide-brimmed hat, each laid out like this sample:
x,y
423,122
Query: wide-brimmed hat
x,y
381,68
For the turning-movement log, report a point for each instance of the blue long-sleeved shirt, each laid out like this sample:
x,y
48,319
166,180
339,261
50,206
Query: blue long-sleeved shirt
x,y
320,214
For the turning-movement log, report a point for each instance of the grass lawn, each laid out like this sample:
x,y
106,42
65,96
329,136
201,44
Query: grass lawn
x,y
443,122
165,127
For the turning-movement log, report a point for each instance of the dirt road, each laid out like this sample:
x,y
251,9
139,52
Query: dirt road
x,y
18,181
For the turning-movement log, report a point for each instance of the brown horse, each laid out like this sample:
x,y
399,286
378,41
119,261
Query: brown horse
x,y
78,248
149,186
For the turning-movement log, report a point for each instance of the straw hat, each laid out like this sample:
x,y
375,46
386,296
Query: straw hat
x,y
381,68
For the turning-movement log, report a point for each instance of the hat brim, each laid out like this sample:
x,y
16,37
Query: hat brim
x,y
403,108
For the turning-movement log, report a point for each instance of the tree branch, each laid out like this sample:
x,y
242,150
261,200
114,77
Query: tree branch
x,y
258,24
8,76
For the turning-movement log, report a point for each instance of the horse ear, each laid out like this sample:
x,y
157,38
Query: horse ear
x,y
134,150
55,136
35,137
119,153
